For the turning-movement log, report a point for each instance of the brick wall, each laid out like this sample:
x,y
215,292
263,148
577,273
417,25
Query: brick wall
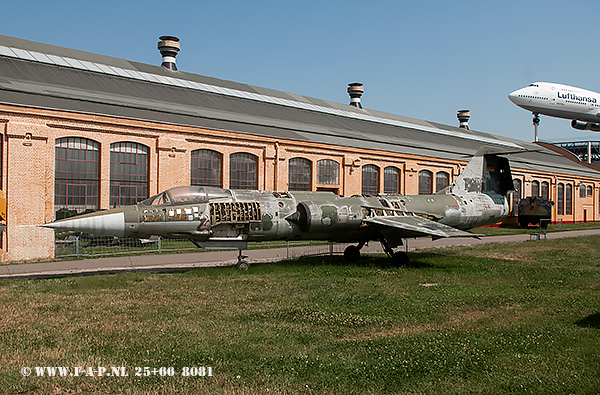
x,y
28,166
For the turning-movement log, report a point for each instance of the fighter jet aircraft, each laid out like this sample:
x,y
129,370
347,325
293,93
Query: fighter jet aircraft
x,y
222,218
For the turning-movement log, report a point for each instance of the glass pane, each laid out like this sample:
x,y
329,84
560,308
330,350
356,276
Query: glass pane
x,y
128,173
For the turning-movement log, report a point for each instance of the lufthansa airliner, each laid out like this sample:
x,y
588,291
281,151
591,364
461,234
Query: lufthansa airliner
x,y
581,106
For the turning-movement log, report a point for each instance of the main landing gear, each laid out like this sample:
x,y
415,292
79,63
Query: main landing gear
x,y
399,258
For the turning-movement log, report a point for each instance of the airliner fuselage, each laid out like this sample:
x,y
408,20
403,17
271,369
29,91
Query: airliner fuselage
x,y
581,106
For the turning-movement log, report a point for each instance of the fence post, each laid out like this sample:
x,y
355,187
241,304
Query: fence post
x,y
77,246
159,245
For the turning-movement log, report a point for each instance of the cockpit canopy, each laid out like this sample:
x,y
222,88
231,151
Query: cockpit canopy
x,y
185,195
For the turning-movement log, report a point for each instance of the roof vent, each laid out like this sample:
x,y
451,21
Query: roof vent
x,y
463,119
355,90
169,47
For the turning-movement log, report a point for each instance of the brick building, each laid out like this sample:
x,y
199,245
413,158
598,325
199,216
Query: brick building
x,y
85,131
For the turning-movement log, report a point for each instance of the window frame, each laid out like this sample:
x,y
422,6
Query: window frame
x,y
446,178
129,178
76,173
299,174
212,175
370,179
243,174
425,183
390,185
328,172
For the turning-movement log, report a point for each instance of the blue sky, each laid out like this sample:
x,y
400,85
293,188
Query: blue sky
x,y
423,59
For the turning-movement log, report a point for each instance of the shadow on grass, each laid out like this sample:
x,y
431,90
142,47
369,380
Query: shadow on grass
x,y
592,321
379,261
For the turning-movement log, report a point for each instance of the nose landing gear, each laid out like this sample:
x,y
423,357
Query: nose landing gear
x,y
243,262
536,123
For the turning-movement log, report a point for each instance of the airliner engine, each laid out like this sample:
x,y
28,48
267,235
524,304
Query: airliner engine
x,y
580,125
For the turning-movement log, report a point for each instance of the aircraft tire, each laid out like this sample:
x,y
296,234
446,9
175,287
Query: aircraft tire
x,y
243,264
352,253
400,259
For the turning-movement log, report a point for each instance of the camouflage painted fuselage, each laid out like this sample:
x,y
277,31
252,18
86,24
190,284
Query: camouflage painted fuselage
x,y
224,217
215,217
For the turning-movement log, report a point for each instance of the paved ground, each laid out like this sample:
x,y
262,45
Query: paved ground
x,y
175,262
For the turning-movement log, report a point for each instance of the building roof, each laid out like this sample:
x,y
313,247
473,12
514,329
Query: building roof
x,y
50,77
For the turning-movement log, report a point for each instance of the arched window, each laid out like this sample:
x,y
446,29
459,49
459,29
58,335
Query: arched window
x,y
77,173
391,180
243,171
535,188
425,182
590,190
517,195
370,180
568,199
299,174
442,179
560,199
328,172
128,173
518,189
582,191
545,190
207,168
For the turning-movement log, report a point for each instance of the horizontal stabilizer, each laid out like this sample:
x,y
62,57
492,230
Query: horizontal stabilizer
x,y
414,226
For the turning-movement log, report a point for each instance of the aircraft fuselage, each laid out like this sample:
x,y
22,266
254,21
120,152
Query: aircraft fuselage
x,y
230,218
560,101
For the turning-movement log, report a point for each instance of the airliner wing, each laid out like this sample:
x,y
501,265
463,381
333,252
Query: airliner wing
x,y
415,226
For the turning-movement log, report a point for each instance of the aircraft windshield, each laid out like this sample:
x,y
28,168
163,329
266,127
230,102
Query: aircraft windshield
x,y
157,200
188,194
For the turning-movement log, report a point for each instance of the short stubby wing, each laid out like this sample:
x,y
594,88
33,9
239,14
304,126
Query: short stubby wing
x,y
415,226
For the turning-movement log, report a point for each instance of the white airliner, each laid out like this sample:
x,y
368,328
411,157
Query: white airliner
x,y
581,106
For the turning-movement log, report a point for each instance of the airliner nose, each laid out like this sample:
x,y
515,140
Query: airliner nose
x,y
513,96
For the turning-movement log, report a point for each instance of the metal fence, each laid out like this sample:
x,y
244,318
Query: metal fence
x,y
84,246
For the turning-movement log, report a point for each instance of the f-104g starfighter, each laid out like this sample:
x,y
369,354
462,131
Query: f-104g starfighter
x,y
223,218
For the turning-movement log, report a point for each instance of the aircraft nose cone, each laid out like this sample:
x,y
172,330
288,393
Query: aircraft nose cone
x,y
519,97
107,222
513,96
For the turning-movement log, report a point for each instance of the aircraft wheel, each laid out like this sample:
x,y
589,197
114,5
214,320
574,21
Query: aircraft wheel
x,y
400,258
243,264
352,253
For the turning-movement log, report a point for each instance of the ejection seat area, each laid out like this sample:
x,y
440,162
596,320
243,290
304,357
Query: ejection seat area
x,y
187,195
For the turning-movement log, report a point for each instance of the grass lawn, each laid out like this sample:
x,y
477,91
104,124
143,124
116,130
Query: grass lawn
x,y
495,318
498,231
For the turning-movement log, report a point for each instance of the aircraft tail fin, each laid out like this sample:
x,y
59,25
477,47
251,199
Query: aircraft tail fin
x,y
485,172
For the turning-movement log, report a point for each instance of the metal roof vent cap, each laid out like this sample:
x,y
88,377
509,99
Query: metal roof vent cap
x,y
355,90
463,119
169,47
